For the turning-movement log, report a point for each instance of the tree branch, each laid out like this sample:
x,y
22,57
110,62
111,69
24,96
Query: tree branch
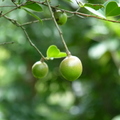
x,y
78,13
59,30
35,21
27,36
5,43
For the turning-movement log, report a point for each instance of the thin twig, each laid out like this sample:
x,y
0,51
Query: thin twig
x,y
16,7
59,30
78,13
28,38
5,43
7,6
87,15
35,21
32,44
9,11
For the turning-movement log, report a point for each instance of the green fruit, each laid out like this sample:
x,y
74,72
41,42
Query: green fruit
x,y
40,69
61,17
71,68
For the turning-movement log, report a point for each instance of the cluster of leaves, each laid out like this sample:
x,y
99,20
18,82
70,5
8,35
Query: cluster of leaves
x,y
102,10
34,7
109,8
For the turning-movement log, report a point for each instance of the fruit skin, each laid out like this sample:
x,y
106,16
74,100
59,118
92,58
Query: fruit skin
x,y
71,68
40,69
61,17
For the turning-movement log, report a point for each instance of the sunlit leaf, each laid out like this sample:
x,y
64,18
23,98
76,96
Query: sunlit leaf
x,y
94,6
90,7
107,1
54,52
61,54
112,9
99,12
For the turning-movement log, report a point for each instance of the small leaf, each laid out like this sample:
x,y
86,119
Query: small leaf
x,y
61,54
54,52
94,6
91,9
112,9
99,12
35,16
33,6
107,1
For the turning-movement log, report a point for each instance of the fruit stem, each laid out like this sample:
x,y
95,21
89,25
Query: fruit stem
x,y
42,59
58,28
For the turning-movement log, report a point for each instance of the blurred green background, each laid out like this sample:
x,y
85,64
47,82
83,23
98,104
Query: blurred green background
x,y
94,96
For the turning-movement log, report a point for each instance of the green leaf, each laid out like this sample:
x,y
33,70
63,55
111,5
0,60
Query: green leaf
x,y
35,16
99,12
61,54
94,6
89,7
33,6
112,9
54,52
107,1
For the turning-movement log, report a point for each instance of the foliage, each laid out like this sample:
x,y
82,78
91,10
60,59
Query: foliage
x,y
29,32
54,52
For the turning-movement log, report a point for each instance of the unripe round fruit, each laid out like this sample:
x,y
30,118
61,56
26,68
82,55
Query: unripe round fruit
x,y
40,69
71,68
61,17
